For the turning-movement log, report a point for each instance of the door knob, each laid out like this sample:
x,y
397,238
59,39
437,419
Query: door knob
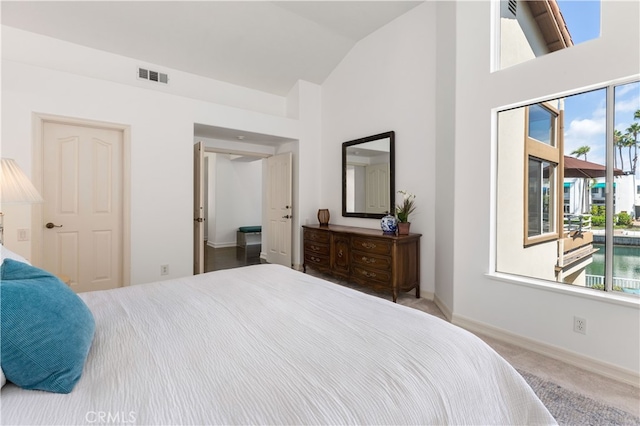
x,y
288,216
50,225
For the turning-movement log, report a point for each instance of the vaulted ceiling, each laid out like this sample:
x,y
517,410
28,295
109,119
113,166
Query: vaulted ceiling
x,y
264,45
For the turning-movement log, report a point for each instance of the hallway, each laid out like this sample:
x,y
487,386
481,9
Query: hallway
x,y
230,257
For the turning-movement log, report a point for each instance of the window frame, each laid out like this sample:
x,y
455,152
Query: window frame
x,y
551,153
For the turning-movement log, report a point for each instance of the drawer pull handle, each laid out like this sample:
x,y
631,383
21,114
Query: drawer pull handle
x,y
368,260
369,274
315,259
368,245
340,253
315,248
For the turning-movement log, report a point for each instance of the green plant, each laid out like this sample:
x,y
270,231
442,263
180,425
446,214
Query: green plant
x,y
597,221
601,287
624,219
407,206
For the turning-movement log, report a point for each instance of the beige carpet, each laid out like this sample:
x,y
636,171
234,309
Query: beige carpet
x,y
573,379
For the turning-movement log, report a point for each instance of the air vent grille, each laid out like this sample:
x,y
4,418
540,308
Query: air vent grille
x,y
156,76
513,6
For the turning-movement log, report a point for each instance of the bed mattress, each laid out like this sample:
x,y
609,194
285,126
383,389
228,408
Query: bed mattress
x,y
268,345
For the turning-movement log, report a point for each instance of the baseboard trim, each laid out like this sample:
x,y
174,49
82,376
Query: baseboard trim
x,y
427,295
595,366
443,308
220,245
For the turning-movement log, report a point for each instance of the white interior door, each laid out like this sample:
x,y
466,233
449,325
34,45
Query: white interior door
x,y
198,208
279,209
377,188
83,210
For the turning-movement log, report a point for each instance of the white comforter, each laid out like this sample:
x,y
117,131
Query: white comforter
x,y
268,345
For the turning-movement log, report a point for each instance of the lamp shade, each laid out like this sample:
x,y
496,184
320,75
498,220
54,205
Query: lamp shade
x,y
15,186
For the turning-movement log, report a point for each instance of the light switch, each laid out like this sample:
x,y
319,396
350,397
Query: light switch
x,y
23,234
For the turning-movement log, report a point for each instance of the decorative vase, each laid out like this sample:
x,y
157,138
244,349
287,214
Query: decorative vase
x,y
323,217
389,224
403,228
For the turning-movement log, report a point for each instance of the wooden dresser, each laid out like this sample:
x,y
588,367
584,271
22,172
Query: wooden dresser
x,y
364,256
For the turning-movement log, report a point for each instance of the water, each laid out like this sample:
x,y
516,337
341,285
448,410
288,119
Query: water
x,y
626,262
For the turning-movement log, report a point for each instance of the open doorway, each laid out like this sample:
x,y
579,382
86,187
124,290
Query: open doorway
x,y
235,198
233,209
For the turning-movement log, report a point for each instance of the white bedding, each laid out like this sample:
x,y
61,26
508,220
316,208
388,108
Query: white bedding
x,y
268,345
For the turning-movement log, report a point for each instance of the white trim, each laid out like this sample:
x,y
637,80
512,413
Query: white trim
x,y
38,120
221,245
602,368
566,93
427,295
614,298
446,311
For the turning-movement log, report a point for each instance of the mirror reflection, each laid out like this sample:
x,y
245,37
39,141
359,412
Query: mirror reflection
x,y
367,176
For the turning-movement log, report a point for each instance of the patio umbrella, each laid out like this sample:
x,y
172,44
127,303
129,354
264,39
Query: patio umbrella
x,y
575,168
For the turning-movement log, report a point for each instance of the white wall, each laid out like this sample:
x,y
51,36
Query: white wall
x,y
238,198
309,172
20,46
387,82
161,137
540,314
445,165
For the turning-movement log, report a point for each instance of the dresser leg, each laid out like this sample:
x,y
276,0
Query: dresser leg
x,y
395,296
418,292
304,268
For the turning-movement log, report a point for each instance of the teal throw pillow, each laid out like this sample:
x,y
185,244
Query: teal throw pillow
x,y
46,329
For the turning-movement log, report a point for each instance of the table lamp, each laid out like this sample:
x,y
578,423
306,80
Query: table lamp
x,y
15,188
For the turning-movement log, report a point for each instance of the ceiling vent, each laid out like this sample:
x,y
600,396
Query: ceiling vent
x,y
158,77
512,5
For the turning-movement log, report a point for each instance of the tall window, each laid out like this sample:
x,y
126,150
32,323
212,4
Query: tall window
x,y
567,208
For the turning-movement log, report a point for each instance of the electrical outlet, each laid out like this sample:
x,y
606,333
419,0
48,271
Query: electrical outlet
x,y
580,325
164,269
23,234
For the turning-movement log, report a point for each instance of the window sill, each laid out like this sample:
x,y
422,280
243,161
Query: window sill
x,y
614,298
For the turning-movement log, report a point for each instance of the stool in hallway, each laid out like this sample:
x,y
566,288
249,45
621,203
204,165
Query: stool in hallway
x,y
249,239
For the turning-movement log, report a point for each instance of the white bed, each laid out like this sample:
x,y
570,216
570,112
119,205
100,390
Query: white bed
x,y
268,345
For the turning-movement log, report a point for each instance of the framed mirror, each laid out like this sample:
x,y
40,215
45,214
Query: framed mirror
x,y
368,186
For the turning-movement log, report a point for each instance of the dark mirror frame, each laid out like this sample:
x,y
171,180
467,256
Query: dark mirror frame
x,y
392,136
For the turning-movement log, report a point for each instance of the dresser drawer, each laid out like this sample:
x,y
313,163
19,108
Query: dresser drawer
x,y
315,247
369,276
317,236
371,261
371,245
317,260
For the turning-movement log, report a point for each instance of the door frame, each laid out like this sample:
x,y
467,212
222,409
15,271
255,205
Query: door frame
x,y
37,161
218,150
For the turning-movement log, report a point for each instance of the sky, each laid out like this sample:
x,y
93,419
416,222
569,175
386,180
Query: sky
x,y
585,113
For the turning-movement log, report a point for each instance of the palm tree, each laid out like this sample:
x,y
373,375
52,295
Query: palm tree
x,y
636,115
583,150
619,142
627,142
634,129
